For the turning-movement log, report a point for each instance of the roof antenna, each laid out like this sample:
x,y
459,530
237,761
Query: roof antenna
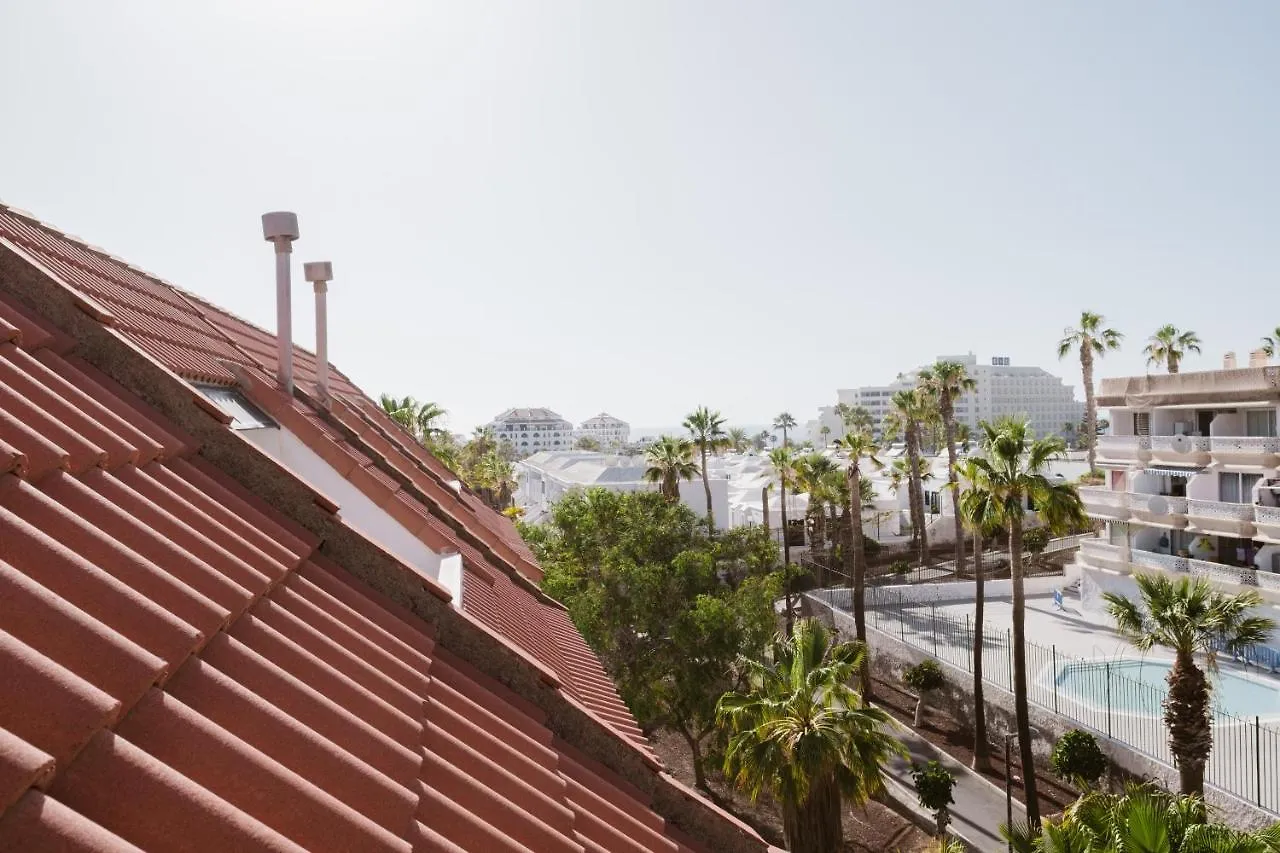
x,y
319,273
281,228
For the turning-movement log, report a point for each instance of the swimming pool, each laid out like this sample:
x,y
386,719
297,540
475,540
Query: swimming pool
x,y
1139,687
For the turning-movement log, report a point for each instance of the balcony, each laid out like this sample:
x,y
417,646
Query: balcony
x,y
1267,518
1164,510
1101,502
1124,448
1160,562
1258,450
1180,449
1230,519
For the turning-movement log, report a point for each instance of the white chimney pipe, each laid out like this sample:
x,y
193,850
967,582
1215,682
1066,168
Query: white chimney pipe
x,y
281,228
320,273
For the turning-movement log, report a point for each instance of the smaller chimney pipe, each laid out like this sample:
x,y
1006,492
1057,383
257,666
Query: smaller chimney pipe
x,y
281,229
319,273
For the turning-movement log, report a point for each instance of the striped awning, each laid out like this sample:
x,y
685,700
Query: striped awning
x,y
1170,471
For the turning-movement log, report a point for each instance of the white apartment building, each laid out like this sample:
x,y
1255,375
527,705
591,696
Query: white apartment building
x,y
1192,481
544,478
1002,389
532,430
609,431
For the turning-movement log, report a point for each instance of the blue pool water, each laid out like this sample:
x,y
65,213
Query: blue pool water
x,y
1139,686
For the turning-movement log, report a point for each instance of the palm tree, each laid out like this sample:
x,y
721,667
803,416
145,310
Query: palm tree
x,y
1093,341
801,733
1143,818
418,418
981,517
1192,618
1168,346
762,439
812,477
910,408
738,439
946,381
784,422
856,445
495,480
1010,472
826,435
1271,343
784,469
669,461
707,429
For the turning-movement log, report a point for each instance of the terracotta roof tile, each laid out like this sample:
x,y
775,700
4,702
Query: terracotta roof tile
x,y
194,670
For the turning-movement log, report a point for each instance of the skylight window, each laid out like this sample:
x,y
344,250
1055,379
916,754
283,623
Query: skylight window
x,y
233,403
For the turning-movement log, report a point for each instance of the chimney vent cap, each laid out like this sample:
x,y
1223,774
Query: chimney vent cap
x,y
279,225
318,270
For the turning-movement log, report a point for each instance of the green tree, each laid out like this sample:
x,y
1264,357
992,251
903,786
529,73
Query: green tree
x,y
706,428
1169,345
812,474
784,469
667,609
856,446
1011,472
946,381
738,439
784,422
910,409
586,442
1192,618
1143,819
420,419
924,678
670,460
1271,343
1077,758
934,783
825,431
982,518
799,732
1093,340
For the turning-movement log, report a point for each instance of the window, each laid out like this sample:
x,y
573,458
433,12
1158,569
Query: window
x,y
1237,488
1260,422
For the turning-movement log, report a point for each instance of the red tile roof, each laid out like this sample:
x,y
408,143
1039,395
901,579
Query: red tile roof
x,y
195,673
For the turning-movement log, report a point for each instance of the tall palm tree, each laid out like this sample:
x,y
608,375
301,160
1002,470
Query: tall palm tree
x,y
1142,818
856,446
784,422
812,477
1192,618
707,430
419,418
948,380
909,410
981,517
1271,343
825,432
1169,345
738,439
784,469
669,461
1093,341
801,733
1011,471
495,480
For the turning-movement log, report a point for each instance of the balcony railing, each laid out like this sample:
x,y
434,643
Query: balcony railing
x,y
1124,443
1141,502
1244,575
1100,550
1245,444
1220,509
1198,444
1164,562
1267,514
1102,496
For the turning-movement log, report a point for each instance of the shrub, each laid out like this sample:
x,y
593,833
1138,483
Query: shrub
x,y
1077,758
923,678
870,546
933,786
1035,540
900,567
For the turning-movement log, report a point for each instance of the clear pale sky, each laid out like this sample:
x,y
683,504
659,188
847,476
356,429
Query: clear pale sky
x,y
639,207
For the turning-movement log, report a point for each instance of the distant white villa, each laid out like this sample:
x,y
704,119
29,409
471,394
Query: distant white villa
x,y
1002,389
610,432
532,430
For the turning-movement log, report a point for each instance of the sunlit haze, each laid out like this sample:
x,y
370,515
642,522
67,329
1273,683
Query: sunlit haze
x,y
642,207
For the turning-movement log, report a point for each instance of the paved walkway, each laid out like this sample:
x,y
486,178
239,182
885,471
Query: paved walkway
x,y
979,806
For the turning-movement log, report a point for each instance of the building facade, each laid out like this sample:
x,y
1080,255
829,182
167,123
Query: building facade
x,y
1191,482
608,431
1001,389
532,430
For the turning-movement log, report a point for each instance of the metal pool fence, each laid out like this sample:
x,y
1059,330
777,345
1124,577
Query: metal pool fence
x,y
1245,761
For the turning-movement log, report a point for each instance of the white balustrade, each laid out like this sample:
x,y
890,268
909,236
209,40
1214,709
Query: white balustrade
x,y
1245,444
1220,509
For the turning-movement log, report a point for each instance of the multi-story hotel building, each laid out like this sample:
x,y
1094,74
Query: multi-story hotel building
x,y
609,431
532,430
1191,480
